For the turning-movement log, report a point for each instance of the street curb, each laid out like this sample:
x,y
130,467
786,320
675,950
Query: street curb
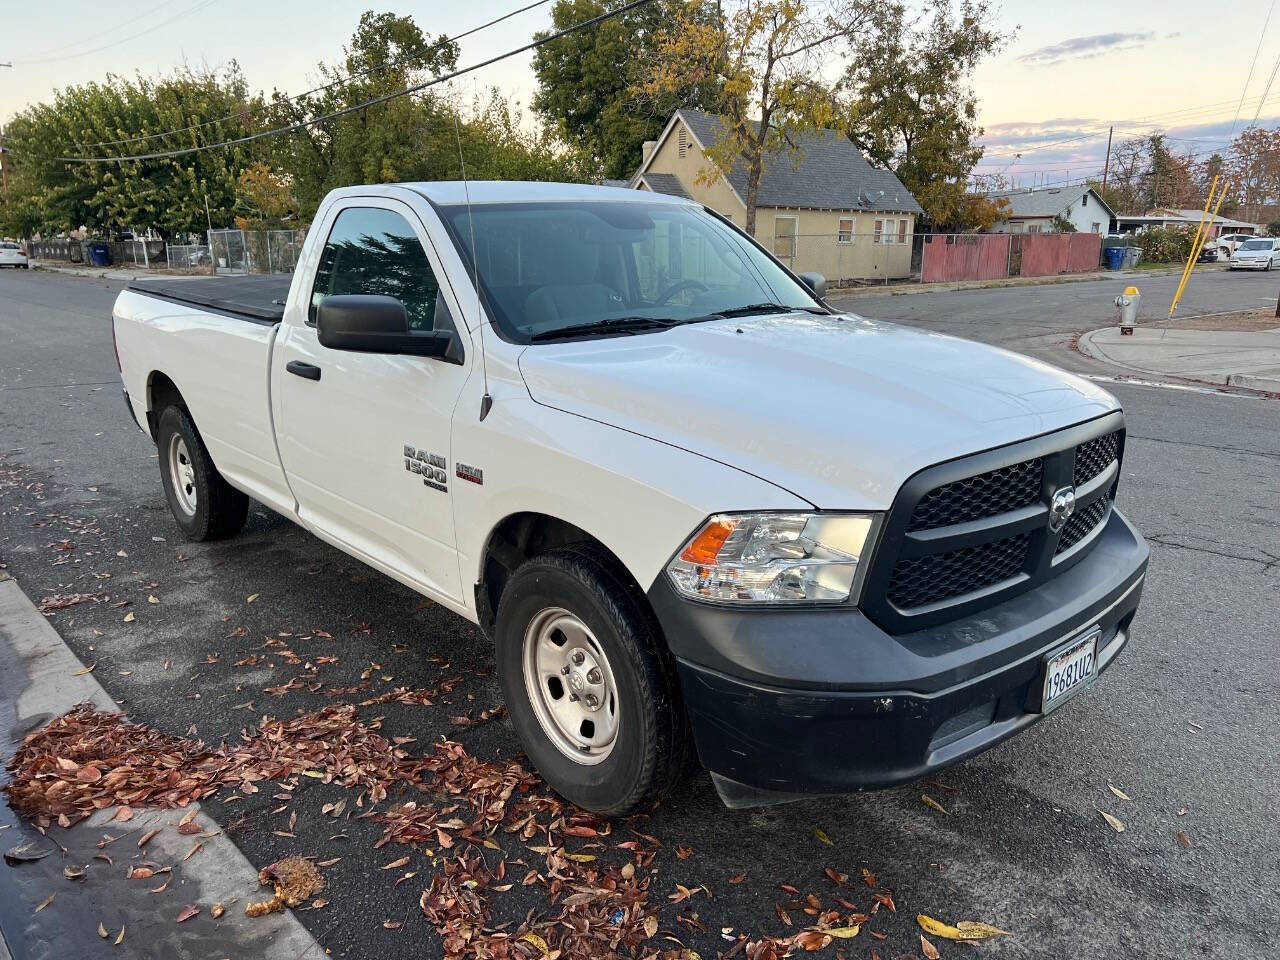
x,y
1084,344
1249,382
90,273
41,678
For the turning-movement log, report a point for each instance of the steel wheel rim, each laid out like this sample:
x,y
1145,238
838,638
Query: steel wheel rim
x,y
183,475
570,686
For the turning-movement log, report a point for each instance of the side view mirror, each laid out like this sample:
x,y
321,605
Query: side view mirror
x,y
815,282
369,323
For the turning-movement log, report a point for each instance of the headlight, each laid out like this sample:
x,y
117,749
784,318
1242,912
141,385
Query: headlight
x,y
774,557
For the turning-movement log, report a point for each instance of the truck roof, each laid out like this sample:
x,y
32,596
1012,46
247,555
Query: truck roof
x,y
449,192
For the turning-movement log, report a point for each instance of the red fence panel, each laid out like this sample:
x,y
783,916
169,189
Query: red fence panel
x,y
1085,253
950,257
1043,254
1048,254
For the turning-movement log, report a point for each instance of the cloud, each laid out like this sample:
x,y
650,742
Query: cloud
x,y
1080,48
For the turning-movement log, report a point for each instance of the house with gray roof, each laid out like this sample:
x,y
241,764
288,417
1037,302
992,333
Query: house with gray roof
x,y
1035,210
821,208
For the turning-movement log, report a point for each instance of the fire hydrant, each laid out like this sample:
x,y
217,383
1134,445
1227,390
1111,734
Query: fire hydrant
x,y
1128,303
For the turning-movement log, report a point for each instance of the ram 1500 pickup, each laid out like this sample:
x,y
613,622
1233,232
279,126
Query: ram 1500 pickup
x,y
697,510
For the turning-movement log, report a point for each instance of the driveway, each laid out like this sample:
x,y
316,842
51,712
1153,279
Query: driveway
x,y
1184,724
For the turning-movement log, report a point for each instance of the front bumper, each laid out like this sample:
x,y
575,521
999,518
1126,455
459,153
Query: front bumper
x,y
1249,264
785,702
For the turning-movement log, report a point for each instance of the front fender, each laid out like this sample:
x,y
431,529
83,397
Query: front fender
x,y
639,497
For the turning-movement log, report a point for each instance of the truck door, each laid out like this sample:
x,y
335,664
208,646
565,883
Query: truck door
x,y
364,438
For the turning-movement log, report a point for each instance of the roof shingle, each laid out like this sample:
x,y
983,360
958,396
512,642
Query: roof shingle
x,y
832,173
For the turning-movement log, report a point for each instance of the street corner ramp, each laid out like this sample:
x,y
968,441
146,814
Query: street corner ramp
x,y
147,885
1223,357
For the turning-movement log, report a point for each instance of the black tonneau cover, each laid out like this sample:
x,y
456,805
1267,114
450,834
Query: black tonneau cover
x,y
260,298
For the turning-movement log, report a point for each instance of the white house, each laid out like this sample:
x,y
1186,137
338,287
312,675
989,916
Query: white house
x,y
1033,211
1182,217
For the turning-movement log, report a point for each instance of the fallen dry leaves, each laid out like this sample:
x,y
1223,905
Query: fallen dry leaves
x,y
452,806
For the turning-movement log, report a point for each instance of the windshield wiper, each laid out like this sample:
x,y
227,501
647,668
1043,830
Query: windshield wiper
x,y
759,308
607,325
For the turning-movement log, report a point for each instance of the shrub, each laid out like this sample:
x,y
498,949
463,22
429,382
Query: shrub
x,y
1166,244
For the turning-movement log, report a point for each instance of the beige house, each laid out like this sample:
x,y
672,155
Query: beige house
x,y
825,210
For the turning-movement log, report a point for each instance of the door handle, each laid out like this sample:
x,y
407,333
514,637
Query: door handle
x,y
307,371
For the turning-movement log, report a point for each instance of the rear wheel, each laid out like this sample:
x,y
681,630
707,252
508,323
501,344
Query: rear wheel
x,y
590,688
203,504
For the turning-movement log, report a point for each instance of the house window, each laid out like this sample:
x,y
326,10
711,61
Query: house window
x,y
845,234
1084,201
1096,228
891,230
683,141
1033,228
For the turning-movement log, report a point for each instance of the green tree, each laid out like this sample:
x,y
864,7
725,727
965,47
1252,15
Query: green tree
x,y
107,119
380,144
588,82
1273,228
762,58
911,103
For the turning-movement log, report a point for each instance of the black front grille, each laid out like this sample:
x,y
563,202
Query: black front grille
x,y
920,581
1082,523
996,491
1094,456
967,534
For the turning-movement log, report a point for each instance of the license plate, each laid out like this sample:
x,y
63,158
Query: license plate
x,y
1069,669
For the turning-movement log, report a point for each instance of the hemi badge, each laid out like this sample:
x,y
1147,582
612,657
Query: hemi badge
x,y
464,472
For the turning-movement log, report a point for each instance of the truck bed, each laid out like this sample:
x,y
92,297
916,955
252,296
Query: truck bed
x,y
259,298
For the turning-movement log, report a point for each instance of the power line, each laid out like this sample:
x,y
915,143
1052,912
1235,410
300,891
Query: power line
x,y
115,43
1145,123
321,89
1253,63
98,36
376,101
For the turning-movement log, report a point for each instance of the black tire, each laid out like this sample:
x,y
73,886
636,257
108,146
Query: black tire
x,y
650,754
217,509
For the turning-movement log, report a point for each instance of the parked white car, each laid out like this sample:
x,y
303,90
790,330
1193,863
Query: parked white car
x,y
1256,253
12,255
692,506
1228,242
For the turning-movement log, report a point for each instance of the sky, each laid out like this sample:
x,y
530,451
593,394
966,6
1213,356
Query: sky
x,y
1071,70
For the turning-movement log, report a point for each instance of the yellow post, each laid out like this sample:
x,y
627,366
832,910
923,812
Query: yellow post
x,y
1195,243
1198,244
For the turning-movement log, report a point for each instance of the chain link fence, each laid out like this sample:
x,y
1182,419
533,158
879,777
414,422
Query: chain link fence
x,y
188,257
255,251
848,258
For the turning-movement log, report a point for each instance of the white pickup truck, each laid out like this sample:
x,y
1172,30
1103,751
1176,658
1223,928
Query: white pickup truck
x,y
694,507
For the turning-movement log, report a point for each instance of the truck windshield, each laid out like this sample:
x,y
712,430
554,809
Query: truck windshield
x,y
606,268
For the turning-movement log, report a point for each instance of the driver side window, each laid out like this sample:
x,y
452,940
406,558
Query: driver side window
x,y
375,251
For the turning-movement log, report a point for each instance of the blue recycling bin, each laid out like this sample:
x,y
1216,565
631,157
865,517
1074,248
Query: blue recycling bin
x,y
1115,258
100,254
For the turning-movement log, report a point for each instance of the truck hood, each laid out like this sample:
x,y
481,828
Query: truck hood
x,y
838,410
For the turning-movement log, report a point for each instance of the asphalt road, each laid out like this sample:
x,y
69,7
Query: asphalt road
x,y
1044,320
1185,719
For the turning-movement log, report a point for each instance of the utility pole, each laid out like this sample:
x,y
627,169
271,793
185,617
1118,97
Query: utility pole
x,y
1106,167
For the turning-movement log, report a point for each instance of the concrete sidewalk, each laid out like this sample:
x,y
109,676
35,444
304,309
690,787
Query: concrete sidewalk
x,y
1249,359
124,274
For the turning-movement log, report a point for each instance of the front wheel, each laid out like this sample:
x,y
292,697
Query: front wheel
x,y
590,688
203,504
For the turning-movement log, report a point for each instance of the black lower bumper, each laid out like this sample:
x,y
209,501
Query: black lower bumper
x,y
824,701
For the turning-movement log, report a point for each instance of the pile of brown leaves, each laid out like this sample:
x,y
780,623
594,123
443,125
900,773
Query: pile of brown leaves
x,y
88,760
